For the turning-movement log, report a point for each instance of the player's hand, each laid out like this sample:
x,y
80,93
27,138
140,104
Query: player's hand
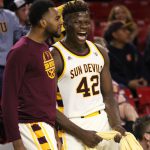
x,y
90,138
120,129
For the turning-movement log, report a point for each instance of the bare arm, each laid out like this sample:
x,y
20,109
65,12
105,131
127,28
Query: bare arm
x,y
107,92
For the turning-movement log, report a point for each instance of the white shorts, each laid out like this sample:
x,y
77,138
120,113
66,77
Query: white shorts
x,y
35,136
38,136
96,123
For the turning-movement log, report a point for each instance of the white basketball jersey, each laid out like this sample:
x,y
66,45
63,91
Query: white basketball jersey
x,y
79,83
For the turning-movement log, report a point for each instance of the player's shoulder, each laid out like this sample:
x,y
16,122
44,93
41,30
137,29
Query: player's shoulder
x,y
55,52
20,48
103,50
99,46
21,43
53,48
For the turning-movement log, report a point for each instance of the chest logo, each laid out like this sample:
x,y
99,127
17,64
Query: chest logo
x,y
49,64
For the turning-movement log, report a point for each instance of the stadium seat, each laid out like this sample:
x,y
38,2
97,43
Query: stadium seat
x,y
144,100
129,96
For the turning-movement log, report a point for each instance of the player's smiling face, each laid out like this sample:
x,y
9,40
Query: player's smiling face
x,y
78,26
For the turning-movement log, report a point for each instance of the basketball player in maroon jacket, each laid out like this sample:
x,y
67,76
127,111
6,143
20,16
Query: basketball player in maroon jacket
x,y
29,89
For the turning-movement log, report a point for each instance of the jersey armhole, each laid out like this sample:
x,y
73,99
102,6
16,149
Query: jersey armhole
x,y
60,74
96,47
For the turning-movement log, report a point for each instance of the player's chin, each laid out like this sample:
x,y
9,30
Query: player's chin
x,y
57,34
81,42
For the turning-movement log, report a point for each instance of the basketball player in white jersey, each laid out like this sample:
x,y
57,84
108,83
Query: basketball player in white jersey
x,y
85,84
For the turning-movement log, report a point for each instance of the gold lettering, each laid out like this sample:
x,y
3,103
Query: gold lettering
x,y
51,64
46,66
3,27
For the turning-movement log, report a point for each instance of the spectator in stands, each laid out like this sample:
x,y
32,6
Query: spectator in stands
x,y
9,26
124,58
122,13
128,113
147,57
21,8
141,130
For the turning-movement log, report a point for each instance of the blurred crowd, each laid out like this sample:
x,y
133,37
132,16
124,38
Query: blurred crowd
x,y
130,67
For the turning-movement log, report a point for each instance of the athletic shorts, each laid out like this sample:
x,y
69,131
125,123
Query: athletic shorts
x,y
35,136
98,122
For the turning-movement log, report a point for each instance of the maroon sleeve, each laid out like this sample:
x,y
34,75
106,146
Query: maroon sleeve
x,y
13,76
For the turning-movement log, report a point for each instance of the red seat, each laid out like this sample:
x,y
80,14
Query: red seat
x,y
129,97
144,100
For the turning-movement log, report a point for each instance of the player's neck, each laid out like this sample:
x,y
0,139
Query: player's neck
x,y
74,46
37,35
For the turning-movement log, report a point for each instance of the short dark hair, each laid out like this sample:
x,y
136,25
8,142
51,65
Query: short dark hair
x,y
73,7
140,126
38,9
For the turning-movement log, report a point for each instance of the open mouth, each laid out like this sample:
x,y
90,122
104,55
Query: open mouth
x,y
82,35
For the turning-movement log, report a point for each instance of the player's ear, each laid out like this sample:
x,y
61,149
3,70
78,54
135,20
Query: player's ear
x,y
146,136
43,23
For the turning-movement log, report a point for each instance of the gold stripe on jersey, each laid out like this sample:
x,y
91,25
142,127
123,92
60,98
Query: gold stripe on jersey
x,y
62,136
96,49
65,141
33,136
64,68
84,56
47,137
59,102
58,96
45,146
91,115
40,135
61,109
